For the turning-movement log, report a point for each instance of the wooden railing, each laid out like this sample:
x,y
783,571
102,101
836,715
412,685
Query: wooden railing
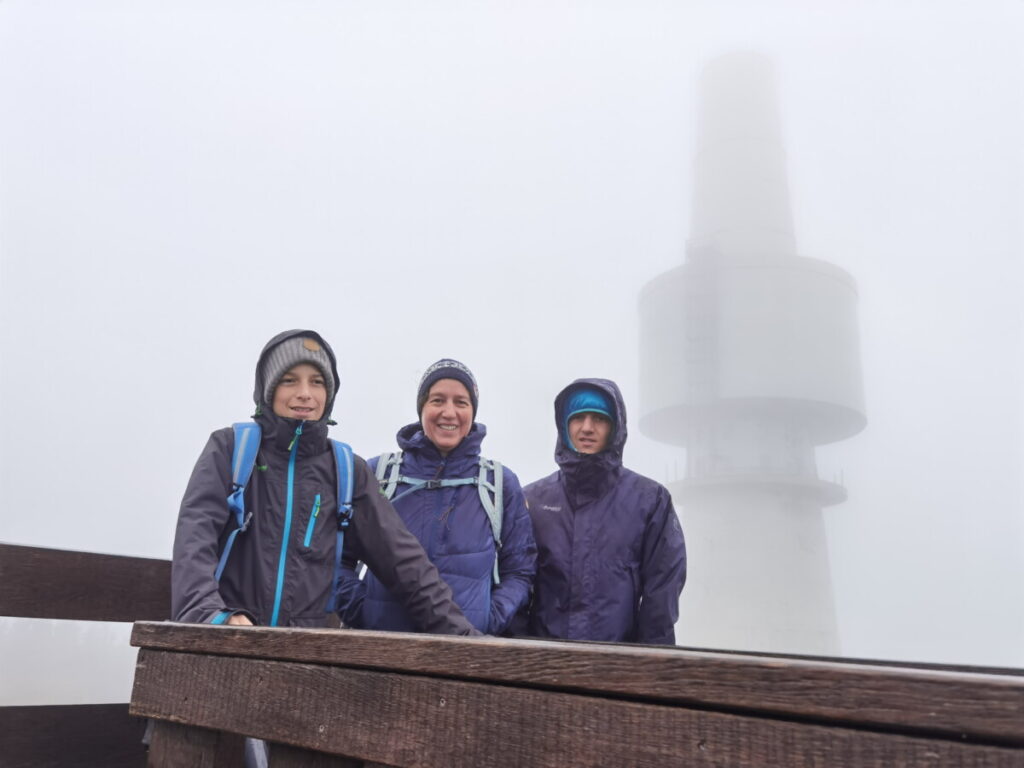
x,y
351,698
55,584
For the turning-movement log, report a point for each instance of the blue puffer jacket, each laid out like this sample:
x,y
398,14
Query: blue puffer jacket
x,y
611,561
453,528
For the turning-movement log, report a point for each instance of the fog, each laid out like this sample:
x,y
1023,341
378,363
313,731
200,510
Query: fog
x,y
497,182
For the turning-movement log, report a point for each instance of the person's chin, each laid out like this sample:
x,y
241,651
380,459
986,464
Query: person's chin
x,y
445,441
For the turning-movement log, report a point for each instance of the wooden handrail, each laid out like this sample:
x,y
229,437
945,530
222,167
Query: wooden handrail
x,y
415,700
39,583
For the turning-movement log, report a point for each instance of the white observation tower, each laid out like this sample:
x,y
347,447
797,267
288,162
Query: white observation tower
x,y
749,358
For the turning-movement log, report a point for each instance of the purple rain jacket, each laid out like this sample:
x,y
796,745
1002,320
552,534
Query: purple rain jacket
x,y
611,560
286,556
451,524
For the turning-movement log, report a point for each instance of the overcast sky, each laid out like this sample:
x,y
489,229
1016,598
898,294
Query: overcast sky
x,y
496,182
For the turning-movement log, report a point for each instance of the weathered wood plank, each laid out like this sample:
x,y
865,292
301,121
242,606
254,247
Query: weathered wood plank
x,y
174,745
415,721
987,708
285,756
972,669
71,735
37,583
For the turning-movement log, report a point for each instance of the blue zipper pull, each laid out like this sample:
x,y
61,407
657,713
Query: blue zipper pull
x,y
298,432
312,521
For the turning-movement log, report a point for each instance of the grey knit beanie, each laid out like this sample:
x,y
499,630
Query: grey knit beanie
x,y
288,354
447,368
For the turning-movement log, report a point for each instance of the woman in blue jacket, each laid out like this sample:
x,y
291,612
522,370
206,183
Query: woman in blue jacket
x,y
441,493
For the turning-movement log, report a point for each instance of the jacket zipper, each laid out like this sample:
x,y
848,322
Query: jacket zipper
x,y
312,521
435,518
286,532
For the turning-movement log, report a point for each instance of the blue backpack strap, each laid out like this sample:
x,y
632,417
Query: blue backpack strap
x,y
493,503
346,483
243,459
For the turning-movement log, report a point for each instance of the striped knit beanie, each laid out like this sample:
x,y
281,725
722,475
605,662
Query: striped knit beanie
x,y
446,368
287,355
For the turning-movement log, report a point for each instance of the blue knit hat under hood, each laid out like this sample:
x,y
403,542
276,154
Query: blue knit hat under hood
x,y
586,399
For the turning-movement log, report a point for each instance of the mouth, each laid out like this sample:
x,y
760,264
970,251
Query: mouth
x,y
302,411
448,427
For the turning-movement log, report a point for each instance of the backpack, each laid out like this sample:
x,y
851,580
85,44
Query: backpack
x,y
389,475
243,458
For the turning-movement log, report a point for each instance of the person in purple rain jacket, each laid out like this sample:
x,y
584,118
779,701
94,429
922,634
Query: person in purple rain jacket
x,y
436,488
611,560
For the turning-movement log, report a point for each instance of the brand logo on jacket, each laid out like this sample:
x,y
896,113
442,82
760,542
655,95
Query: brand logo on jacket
x,y
549,508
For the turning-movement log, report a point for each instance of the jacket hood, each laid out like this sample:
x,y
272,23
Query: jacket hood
x,y
424,454
588,476
261,405
617,440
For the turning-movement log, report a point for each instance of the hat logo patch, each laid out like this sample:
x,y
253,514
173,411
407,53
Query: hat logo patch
x,y
311,345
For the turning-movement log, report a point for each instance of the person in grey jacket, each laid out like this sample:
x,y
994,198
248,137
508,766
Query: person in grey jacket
x,y
281,567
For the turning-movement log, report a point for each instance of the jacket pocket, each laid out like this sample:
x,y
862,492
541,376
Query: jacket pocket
x,y
313,514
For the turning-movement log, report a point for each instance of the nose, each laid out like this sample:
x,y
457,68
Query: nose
x,y
304,391
588,422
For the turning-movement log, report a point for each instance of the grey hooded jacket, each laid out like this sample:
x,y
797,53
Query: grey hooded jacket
x,y
282,565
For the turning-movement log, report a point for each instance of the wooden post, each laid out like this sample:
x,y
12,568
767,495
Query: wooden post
x,y
185,746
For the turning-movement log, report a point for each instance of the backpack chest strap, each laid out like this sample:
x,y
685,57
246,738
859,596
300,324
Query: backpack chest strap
x,y
389,475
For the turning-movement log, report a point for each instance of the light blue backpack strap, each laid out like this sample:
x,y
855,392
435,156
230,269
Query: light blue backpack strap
x,y
346,483
416,483
448,482
243,459
491,498
389,467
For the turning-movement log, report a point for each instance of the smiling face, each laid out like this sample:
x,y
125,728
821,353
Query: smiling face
x,y
589,432
301,393
447,415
